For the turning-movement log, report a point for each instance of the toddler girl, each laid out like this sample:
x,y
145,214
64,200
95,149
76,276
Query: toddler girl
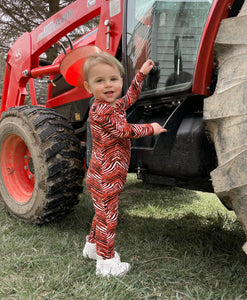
x,y
110,158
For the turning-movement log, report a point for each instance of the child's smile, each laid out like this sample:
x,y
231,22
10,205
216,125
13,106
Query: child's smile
x,y
105,83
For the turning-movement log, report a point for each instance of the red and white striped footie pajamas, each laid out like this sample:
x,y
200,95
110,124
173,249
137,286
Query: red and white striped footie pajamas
x,y
109,163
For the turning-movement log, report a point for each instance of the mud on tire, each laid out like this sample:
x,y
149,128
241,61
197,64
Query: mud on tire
x,y
225,115
41,164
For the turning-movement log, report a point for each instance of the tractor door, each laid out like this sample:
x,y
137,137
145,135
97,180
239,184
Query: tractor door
x,y
170,33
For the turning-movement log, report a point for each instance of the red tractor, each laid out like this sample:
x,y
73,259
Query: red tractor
x,y
196,90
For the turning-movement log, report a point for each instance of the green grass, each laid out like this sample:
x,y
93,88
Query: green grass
x,y
181,245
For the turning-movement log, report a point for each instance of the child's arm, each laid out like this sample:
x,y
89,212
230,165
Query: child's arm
x,y
120,128
135,88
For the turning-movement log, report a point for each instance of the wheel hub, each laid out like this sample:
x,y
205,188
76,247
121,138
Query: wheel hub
x,y
17,168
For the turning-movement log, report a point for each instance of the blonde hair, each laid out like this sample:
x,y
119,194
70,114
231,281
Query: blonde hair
x,y
102,57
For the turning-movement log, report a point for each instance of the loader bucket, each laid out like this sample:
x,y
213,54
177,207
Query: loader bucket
x,y
72,65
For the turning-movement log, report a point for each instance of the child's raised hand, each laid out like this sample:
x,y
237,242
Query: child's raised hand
x,y
157,128
147,67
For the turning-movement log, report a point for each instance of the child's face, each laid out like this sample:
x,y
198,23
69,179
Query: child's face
x,y
104,82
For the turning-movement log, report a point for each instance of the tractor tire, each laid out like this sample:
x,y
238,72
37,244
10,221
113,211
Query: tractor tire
x,y
41,164
225,115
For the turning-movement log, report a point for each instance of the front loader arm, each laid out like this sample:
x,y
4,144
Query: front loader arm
x,y
18,59
24,54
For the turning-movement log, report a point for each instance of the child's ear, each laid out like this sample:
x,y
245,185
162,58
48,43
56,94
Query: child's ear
x,y
87,87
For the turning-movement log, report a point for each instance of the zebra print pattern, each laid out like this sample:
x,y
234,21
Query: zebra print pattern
x,y
109,163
